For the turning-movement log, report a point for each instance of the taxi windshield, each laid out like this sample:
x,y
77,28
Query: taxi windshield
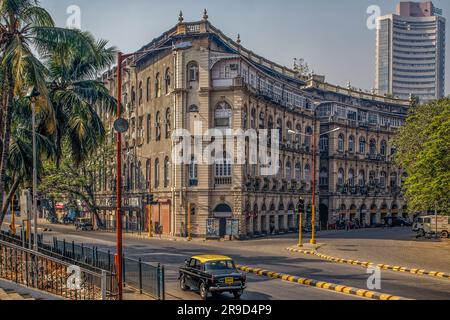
x,y
219,265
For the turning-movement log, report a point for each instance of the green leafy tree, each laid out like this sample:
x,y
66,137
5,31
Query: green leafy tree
x,y
423,150
69,181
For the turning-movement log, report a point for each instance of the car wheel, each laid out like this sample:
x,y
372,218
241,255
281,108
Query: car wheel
x,y
183,285
203,291
237,294
421,233
444,234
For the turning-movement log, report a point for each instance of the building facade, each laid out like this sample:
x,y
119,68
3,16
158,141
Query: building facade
x,y
410,52
218,84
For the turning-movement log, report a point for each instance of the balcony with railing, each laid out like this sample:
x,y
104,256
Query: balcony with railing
x,y
223,181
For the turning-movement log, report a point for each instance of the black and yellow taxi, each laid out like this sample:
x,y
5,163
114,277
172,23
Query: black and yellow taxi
x,y
213,274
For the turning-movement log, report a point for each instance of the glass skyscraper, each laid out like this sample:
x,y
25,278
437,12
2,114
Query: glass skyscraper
x,y
410,52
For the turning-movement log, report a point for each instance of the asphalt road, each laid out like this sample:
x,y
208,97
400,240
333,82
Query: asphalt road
x,y
264,253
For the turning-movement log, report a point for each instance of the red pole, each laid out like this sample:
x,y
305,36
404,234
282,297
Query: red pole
x,y
119,181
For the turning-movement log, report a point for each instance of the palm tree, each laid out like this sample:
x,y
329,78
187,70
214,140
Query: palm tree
x,y
25,28
75,93
20,161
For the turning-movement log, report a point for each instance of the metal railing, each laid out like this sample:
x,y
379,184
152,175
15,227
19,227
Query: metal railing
x,y
46,273
143,276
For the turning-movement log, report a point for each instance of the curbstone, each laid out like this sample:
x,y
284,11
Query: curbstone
x,y
365,264
321,284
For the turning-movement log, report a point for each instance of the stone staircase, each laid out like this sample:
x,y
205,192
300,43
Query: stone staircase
x,y
9,294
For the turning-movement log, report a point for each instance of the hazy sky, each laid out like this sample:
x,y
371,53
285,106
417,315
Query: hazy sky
x,y
332,36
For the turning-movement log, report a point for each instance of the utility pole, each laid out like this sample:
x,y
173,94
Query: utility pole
x,y
313,209
119,180
32,94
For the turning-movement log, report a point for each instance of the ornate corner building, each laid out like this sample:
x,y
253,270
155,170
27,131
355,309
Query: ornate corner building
x,y
217,82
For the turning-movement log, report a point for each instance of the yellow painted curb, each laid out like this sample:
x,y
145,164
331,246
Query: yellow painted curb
x,y
322,284
365,264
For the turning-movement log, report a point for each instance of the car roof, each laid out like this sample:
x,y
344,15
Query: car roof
x,y
211,257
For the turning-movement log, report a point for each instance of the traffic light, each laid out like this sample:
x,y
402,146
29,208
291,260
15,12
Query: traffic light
x,y
301,204
150,199
192,210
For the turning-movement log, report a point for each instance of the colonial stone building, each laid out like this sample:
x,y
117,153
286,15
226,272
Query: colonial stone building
x,y
215,81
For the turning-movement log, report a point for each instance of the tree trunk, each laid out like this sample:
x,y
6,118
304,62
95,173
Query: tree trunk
x,y
6,139
9,197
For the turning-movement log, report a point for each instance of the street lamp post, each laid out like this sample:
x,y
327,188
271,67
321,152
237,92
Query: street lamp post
x,y
121,126
33,93
313,209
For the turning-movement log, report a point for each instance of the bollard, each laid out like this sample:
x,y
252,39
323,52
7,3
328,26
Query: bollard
x,y
163,284
104,285
158,282
140,275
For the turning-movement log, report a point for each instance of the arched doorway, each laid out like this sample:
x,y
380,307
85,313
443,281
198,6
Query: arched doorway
x,y
353,212
384,212
373,215
394,210
223,212
362,216
323,214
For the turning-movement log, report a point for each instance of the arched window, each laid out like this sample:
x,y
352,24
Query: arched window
x,y
373,147
351,178
262,120
361,178
140,93
156,173
280,128
157,86
298,129
323,143
167,81
139,179
308,135
193,108
341,143
323,177
362,145
253,118
148,89
298,171
148,167
133,95
166,172
351,144
383,179
371,178
149,128
193,172
168,123
222,115
132,176
288,171
158,126
192,72
393,180
280,169
383,148
340,177
307,174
